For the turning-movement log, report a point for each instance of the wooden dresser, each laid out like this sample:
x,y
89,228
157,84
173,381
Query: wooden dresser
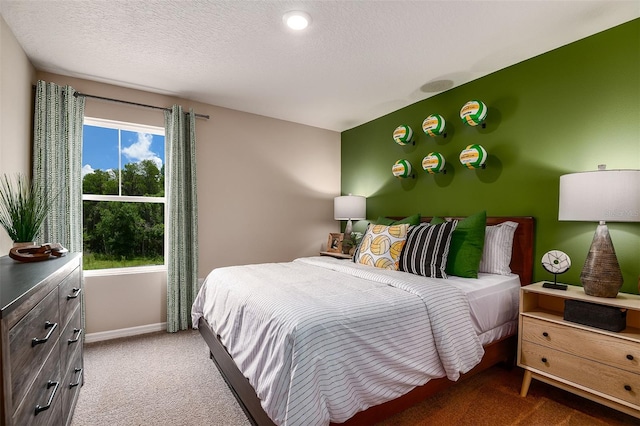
x,y
597,364
41,340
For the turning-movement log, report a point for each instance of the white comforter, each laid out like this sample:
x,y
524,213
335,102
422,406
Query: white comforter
x,y
321,339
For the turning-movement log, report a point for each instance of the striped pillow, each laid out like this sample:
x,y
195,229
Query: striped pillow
x,y
498,242
426,250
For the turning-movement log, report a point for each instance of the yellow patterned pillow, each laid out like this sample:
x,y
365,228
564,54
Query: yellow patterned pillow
x,y
381,246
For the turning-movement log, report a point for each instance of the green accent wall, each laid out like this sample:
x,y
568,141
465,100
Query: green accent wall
x,y
562,112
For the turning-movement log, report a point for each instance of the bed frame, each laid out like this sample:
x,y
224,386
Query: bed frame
x,y
495,353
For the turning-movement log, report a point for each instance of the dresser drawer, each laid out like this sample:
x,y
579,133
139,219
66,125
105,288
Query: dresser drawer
x,y
30,342
70,339
610,350
593,375
69,293
72,382
46,389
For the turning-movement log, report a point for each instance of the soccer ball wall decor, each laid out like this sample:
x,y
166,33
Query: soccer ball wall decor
x,y
473,113
473,156
434,125
403,135
434,163
402,169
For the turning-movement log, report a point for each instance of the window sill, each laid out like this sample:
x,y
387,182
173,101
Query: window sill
x,y
125,271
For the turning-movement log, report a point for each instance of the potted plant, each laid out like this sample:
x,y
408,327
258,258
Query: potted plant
x,y
23,208
351,242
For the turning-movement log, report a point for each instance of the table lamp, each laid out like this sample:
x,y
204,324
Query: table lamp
x,y
348,207
601,196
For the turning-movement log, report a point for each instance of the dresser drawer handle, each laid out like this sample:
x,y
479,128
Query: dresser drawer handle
x,y
75,293
630,357
73,385
48,324
40,408
627,388
77,331
545,334
544,360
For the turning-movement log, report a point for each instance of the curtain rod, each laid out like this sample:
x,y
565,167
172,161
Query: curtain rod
x,y
131,103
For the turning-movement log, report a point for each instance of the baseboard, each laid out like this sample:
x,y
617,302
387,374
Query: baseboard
x,y
124,332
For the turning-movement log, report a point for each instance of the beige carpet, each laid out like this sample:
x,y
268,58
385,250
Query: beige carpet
x,y
155,379
168,379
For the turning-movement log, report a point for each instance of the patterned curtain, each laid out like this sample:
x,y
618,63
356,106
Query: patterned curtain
x,y
57,161
182,220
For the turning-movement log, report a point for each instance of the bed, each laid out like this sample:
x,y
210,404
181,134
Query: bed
x,y
306,379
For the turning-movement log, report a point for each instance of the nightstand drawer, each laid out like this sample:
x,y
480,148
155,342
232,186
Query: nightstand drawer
x,y
617,352
595,376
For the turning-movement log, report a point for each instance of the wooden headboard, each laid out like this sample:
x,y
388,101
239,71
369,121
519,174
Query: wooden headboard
x,y
523,240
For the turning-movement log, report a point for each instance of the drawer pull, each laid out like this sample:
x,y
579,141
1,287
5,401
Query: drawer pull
x,y
77,331
74,294
627,388
48,324
545,334
630,357
544,360
39,407
73,385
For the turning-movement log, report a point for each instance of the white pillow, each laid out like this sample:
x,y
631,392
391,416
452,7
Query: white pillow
x,y
498,242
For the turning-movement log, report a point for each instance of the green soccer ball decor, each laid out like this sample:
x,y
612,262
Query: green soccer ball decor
x,y
473,156
403,135
473,113
434,125
402,169
434,163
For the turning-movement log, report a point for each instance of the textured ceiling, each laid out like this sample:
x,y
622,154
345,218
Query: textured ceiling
x,y
357,61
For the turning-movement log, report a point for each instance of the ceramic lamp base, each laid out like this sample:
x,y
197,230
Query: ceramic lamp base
x,y
348,229
601,275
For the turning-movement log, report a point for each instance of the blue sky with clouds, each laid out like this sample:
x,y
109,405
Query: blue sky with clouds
x,y
100,148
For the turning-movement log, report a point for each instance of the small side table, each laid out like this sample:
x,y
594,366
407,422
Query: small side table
x,y
597,364
336,255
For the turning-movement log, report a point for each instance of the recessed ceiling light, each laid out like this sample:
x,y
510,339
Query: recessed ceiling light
x,y
296,20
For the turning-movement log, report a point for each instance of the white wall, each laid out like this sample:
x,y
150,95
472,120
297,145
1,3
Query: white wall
x,y
125,304
16,111
265,189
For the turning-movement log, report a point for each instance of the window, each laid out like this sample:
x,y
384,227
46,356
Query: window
x,y
123,199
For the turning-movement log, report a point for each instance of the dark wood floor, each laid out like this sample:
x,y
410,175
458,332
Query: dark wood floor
x,y
493,398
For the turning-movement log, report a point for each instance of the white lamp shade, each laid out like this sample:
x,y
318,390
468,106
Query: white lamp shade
x,y
349,207
602,195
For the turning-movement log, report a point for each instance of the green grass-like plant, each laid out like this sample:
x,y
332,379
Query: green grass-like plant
x,y
91,261
23,207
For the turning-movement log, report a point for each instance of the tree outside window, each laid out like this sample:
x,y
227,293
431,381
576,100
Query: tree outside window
x,y
123,194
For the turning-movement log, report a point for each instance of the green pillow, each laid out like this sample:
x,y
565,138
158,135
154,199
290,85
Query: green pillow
x,y
467,243
411,220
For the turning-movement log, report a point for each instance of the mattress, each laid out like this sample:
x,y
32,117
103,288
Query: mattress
x,y
320,338
493,300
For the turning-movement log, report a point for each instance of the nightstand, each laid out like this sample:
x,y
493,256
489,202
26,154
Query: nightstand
x,y
597,364
336,255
